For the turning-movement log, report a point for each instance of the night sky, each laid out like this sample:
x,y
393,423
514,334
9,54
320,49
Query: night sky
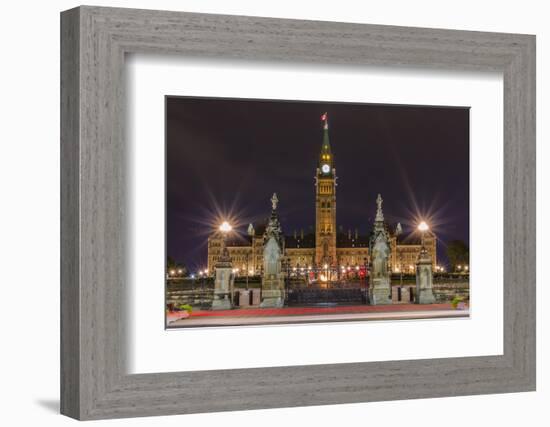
x,y
226,157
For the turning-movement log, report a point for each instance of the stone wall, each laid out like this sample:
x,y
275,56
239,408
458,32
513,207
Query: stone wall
x,y
200,295
446,291
443,292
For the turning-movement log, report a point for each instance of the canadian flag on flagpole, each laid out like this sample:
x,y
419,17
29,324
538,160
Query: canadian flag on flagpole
x,y
324,117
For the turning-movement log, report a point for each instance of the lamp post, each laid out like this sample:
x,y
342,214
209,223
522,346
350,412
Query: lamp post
x,y
247,271
223,283
423,227
424,272
286,266
398,232
367,279
225,228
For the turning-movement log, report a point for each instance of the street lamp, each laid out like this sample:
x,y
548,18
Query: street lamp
x,y
225,227
423,227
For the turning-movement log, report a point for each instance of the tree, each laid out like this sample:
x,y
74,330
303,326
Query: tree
x,y
458,253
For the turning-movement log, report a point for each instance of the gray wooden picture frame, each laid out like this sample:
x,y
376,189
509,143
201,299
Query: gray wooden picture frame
x,y
94,382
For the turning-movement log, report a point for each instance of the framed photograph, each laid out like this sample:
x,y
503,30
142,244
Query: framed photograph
x,y
231,258
283,213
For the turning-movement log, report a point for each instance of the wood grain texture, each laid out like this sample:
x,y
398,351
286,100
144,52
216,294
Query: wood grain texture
x,y
94,268
70,297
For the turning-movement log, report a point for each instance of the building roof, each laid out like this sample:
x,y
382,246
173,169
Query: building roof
x,y
308,241
238,240
343,240
350,240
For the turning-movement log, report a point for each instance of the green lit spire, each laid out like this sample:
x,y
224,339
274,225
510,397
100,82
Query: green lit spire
x,y
325,148
325,157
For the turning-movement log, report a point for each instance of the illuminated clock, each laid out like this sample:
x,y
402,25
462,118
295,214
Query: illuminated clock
x,y
325,168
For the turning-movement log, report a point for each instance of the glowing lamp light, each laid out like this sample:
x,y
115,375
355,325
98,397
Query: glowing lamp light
x,y
423,226
192,276
172,272
325,266
323,278
225,227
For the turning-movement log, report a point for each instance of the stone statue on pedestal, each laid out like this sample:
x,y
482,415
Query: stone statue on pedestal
x,y
379,248
424,278
224,279
273,293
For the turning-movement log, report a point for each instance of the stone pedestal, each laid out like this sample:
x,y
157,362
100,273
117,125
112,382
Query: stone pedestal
x,y
223,286
273,294
379,247
256,296
244,299
424,279
406,295
400,295
380,291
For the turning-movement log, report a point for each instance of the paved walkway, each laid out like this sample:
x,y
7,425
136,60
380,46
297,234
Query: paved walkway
x,y
266,316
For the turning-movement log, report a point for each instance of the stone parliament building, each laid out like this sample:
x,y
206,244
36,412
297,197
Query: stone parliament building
x,y
327,248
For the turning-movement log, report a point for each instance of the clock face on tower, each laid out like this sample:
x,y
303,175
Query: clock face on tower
x,y
325,168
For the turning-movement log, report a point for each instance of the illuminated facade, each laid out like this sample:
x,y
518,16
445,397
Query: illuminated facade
x,y
326,247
